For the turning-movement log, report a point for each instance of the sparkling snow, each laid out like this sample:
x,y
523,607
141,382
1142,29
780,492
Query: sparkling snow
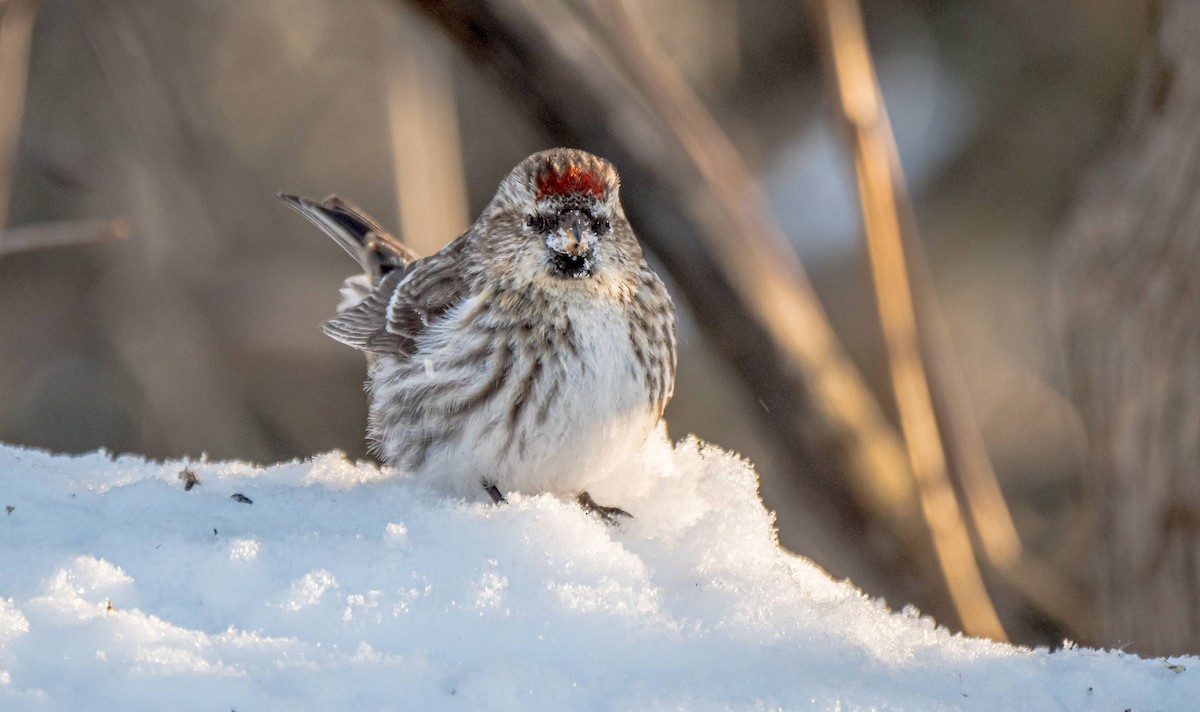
x,y
344,586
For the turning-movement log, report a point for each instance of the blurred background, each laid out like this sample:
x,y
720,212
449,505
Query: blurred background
x,y
198,334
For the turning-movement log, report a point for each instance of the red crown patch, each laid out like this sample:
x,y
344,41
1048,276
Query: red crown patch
x,y
571,179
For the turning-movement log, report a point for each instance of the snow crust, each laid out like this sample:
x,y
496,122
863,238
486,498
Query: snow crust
x,y
346,586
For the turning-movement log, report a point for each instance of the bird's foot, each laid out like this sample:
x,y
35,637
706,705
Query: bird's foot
x,y
610,515
493,492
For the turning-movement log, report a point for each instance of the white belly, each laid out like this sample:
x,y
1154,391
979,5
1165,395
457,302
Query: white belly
x,y
587,411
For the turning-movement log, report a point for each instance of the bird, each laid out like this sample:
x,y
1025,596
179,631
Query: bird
x,y
531,354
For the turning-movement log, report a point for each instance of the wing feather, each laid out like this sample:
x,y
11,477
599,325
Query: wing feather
x,y
378,251
403,305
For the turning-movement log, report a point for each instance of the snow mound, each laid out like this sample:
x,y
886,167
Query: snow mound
x,y
330,585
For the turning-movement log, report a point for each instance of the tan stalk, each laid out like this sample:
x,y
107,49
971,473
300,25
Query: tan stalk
x,y
879,186
16,32
426,150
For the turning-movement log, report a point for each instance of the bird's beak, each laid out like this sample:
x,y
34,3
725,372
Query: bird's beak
x,y
575,231
572,236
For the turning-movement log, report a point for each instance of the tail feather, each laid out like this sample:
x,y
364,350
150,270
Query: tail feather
x,y
377,251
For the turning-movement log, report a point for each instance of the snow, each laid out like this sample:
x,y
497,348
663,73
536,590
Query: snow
x,y
347,586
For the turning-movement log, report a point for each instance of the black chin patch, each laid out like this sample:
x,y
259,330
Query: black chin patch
x,y
570,266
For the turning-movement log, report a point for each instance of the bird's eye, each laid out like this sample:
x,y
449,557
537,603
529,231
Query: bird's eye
x,y
539,223
600,226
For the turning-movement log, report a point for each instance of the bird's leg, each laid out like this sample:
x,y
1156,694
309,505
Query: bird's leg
x,y
493,492
608,514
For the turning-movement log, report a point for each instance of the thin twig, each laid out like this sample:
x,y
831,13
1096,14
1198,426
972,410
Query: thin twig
x,y
878,178
963,438
38,236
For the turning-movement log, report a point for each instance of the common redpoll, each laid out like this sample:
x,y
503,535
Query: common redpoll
x,y
533,353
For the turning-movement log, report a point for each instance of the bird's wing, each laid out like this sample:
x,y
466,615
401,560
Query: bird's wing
x,y
365,240
403,305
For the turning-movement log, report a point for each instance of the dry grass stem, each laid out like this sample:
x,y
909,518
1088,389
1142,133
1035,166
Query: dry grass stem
x,y
878,178
431,190
62,233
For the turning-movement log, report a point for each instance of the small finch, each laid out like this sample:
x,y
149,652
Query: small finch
x,y
530,354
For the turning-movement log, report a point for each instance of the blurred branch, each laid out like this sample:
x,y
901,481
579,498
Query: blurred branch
x,y
62,233
880,190
1127,304
1038,583
896,260
700,210
964,445
16,32
426,152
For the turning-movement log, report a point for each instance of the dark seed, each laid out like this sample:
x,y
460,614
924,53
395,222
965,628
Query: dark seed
x,y
190,480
